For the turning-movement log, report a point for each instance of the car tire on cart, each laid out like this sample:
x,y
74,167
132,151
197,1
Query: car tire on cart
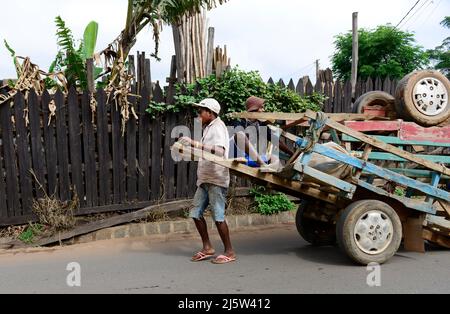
x,y
317,233
373,99
369,231
423,97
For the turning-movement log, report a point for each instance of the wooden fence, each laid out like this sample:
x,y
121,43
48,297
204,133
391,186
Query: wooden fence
x,y
76,151
339,94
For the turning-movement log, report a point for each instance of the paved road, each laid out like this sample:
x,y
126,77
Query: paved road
x,y
274,260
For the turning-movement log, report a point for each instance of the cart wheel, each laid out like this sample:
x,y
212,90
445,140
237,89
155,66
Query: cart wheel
x,y
372,99
422,97
369,232
317,233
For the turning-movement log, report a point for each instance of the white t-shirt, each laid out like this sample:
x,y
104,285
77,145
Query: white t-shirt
x,y
215,134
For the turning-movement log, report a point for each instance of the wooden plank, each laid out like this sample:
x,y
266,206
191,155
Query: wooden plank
x,y
413,234
326,179
90,75
295,187
369,126
369,85
436,238
396,141
3,203
309,89
329,94
132,153
347,104
75,134
169,166
300,89
90,169
387,85
103,149
111,222
379,144
117,158
144,148
337,108
291,85
210,52
37,149
51,155
26,187
299,118
9,158
62,147
412,131
156,151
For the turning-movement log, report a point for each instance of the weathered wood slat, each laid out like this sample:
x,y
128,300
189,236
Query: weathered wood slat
x,y
132,154
51,156
62,146
300,87
9,158
26,187
156,143
117,161
103,149
144,147
75,134
90,171
37,150
3,204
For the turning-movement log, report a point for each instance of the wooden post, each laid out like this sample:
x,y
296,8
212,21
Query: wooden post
x,y
210,52
355,54
90,75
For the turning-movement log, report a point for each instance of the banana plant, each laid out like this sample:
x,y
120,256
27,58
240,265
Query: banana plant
x,y
71,60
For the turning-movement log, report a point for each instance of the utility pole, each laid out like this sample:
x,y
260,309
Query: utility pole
x,y
355,54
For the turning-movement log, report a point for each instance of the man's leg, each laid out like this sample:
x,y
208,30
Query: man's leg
x,y
217,197
201,201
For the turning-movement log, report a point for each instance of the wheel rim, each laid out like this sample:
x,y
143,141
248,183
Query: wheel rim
x,y
430,96
374,232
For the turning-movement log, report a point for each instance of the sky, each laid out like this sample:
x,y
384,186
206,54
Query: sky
x,y
280,39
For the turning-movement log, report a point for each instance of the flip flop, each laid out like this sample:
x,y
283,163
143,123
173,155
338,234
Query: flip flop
x,y
200,256
222,259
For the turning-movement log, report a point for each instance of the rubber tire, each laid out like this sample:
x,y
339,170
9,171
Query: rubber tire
x,y
372,99
317,233
346,225
404,99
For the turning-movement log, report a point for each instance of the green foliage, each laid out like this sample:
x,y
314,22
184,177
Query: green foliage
x,y
71,60
440,56
32,231
234,88
8,47
90,40
384,51
271,204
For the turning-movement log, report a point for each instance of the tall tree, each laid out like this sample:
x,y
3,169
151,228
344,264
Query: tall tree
x,y
384,51
440,56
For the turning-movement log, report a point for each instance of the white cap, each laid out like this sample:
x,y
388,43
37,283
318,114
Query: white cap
x,y
210,104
